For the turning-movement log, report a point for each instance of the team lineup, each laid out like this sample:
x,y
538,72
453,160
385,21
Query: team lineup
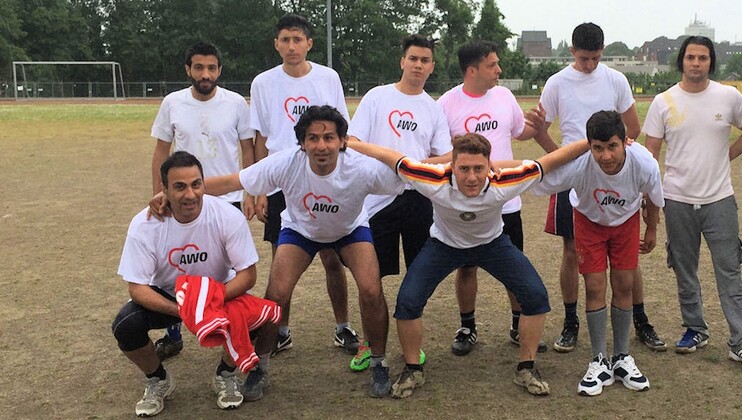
x,y
440,174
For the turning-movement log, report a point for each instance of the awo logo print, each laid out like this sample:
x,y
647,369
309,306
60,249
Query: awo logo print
x,y
478,124
607,198
294,107
188,254
319,203
401,120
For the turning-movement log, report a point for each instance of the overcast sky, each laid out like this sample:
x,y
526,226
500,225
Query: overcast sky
x,y
628,21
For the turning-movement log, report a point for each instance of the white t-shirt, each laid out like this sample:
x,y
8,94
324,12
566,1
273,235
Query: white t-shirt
x,y
574,97
218,241
210,130
321,208
460,221
696,127
608,200
495,115
414,125
277,100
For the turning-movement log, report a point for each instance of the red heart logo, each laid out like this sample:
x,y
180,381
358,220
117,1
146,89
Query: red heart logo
x,y
294,100
314,198
466,123
400,114
175,262
599,195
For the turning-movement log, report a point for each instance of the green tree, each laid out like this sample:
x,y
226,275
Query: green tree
x,y
490,27
514,65
452,19
55,30
733,67
562,49
617,48
11,36
540,73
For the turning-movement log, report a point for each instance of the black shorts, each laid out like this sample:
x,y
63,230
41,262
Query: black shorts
x,y
237,204
410,216
133,321
513,228
559,219
276,204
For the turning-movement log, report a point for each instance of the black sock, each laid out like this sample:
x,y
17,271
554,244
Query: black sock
x,y
528,364
516,319
570,312
468,321
224,367
410,366
640,317
160,373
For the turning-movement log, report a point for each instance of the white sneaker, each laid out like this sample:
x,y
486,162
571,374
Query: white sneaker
x,y
227,388
625,370
598,375
155,393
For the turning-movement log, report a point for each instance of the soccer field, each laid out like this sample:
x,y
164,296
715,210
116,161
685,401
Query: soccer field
x,y
76,173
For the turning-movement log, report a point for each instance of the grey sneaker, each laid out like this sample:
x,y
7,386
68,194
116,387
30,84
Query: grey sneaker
x,y
380,381
530,379
155,393
227,388
514,337
408,380
257,380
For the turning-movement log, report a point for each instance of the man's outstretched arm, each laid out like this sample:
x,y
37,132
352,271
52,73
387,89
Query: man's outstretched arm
x,y
383,154
562,155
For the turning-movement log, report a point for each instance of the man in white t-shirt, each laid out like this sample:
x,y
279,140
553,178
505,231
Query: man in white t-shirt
x,y
401,116
695,118
467,231
325,186
206,237
607,189
573,95
210,122
480,106
278,97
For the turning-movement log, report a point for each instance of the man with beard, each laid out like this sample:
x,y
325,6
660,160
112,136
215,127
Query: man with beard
x,y
210,122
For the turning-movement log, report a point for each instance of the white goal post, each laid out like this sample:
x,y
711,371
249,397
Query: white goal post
x,y
116,79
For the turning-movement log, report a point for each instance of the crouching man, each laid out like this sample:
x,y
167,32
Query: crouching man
x,y
467,231
206,236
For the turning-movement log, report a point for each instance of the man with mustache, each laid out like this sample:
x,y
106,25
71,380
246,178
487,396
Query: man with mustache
x,y
210,122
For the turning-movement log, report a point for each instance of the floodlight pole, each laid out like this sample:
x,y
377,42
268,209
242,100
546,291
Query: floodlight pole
x,y
329,33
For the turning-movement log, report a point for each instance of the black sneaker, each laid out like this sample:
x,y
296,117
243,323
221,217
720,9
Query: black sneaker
x,y
381,384
515,339
348,340
283,342
568,339
256,381
464,341
649,337
166,347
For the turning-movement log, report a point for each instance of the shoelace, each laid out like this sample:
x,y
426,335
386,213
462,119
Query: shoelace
x,y
229,385
153,391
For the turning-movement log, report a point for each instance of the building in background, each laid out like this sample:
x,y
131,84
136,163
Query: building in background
x,y
534,44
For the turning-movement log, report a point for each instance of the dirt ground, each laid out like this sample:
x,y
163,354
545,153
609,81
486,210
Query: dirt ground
x,y
68,192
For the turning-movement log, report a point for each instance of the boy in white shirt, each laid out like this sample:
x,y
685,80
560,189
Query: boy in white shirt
x,y
607,189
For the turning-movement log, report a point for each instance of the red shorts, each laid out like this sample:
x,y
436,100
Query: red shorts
x,y
594,243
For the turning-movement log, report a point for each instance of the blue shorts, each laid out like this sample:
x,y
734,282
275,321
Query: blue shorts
x,y
500,258
290,236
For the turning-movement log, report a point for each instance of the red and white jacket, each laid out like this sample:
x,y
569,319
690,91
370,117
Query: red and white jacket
x,y
217,323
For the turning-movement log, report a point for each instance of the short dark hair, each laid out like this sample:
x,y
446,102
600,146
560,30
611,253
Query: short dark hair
x,y
603,125
180,159
470,143
202,48
292,21
417,40
473,52
587,37
320,113
697,40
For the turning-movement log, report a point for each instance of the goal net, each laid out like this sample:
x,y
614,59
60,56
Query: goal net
x,y
67,79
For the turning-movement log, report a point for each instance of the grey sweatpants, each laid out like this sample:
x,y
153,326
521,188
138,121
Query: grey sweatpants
x,y
719,224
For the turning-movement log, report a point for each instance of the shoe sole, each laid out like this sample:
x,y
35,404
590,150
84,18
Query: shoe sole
x,y
689,350
461,352
280,349
733,357
407,391
562,349
634,387
349,350
164,397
